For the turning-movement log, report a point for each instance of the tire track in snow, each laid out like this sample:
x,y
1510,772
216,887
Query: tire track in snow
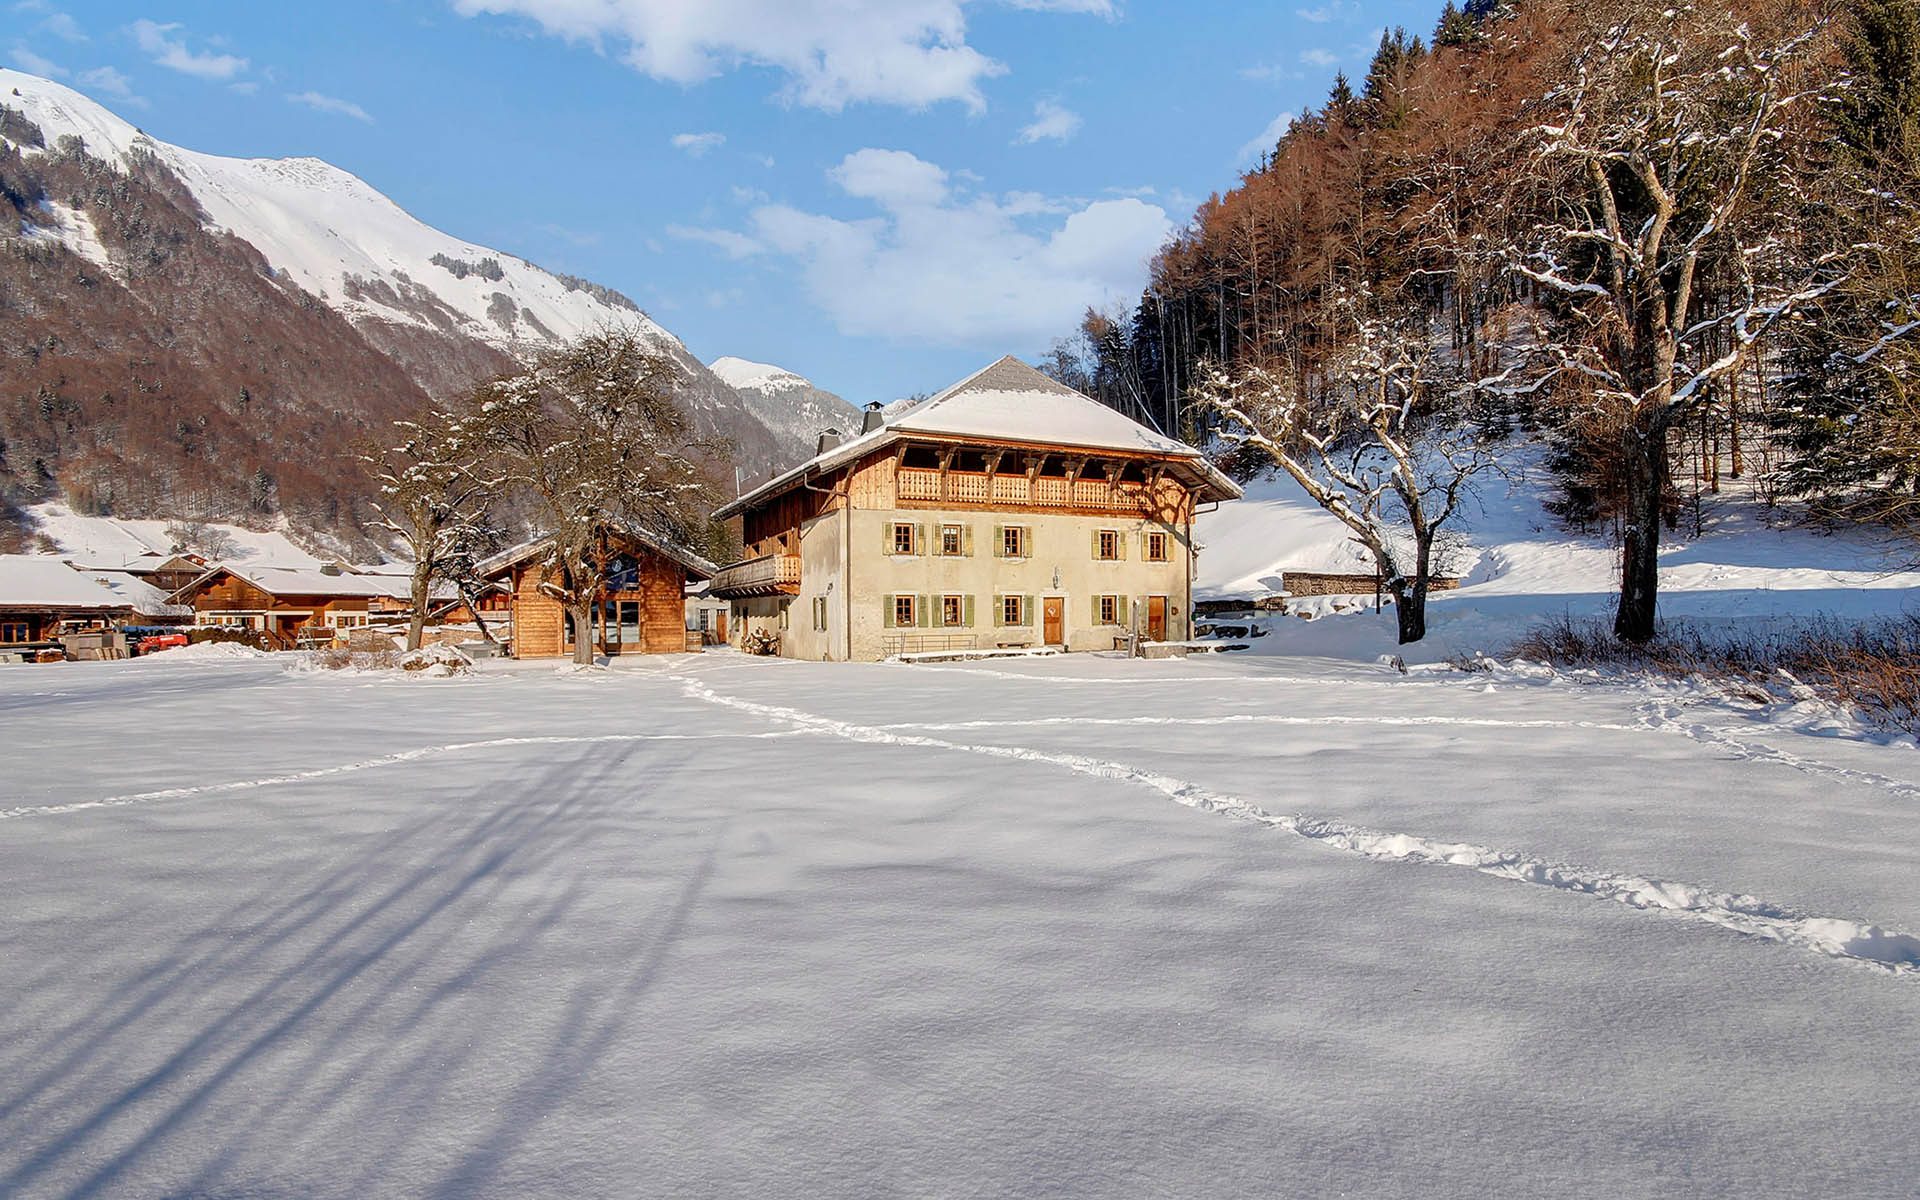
x,y
1871,946
371,764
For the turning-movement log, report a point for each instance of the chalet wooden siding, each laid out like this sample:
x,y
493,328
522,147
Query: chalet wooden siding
x,y
540,619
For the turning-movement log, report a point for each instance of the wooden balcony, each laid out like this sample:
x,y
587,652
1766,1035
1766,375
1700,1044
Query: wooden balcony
x,y
769,575
969,488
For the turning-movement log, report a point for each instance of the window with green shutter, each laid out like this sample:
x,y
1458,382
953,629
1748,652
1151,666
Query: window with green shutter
x,y
952,611
901,613
903,538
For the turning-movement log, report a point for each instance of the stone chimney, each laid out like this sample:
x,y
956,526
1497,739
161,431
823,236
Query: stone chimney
x,y
872,419
828,440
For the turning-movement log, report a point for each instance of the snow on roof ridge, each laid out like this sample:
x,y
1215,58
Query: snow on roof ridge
x,y
1098,429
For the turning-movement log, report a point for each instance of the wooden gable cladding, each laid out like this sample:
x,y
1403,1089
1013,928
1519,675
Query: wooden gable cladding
x,y
773,528
657,597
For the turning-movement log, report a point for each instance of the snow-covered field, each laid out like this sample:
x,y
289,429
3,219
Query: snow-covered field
x,y
1518,567
715,926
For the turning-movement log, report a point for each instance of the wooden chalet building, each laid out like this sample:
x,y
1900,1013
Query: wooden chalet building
x,y
41,597
1007,511
643,611
295,606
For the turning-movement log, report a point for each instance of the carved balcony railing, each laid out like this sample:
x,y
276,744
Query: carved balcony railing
x,y
769,575
916,484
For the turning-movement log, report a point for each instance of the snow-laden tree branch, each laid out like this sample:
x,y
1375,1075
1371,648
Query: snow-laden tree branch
x,y
1662,244
591,433
1365,442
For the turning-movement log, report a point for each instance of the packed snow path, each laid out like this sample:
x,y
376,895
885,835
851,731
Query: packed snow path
x,y
714,926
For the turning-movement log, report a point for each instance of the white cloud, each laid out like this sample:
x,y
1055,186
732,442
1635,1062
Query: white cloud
x,y
833,53
697,144
941,264
63,26
1319,56
330,104
732,244
109,82
1264,141
1327,12
33,64
1051,122
159,43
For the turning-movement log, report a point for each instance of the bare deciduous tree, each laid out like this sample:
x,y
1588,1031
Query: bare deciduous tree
x,y
594,437
432,494
1664,243
1369,447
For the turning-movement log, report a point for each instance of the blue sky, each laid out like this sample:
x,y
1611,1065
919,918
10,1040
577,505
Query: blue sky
x,y
879,194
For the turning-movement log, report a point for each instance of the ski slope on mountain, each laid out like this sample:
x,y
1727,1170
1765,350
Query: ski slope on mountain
x,y
1518,566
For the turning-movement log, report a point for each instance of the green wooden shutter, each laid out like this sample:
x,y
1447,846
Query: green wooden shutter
x,y
886,537
1096,544
886,604
966,545
1096,611
999,611
1120,544
966,612
999,541
1026,610
923,609
919,539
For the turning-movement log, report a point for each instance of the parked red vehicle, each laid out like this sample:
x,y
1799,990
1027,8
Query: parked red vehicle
x,y
160,641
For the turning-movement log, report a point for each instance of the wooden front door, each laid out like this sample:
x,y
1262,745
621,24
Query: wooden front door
x,y
1056,621
1156,618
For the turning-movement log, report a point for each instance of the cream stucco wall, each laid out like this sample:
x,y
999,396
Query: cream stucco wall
x,y
1060,563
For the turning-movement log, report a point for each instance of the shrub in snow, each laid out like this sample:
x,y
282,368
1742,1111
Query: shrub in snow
x,y
437,661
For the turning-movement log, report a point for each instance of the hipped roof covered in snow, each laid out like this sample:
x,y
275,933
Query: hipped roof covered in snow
x,y
1006,401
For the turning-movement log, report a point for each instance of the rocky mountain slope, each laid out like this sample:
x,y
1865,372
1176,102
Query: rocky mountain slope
x,y
791,405
195,335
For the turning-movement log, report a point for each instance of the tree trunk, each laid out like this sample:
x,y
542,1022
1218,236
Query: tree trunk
x,y
1410,595
422,594
583,632
1645,455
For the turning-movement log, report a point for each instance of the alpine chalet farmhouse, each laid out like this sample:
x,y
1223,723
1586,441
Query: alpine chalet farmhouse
x,y
1007,511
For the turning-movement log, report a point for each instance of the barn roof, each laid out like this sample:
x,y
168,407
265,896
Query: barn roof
x,y
513,556
46,582
1005,401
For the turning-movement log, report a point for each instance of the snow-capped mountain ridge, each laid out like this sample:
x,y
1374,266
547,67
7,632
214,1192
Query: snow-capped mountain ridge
x,y
445,310
334,235
786,402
